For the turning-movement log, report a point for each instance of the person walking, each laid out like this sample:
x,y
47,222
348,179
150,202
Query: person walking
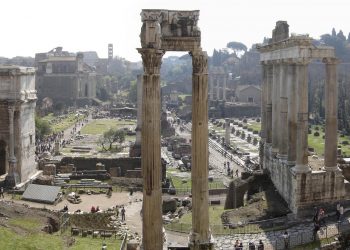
x,y
2,192
260,245
123,213
286,240
341,212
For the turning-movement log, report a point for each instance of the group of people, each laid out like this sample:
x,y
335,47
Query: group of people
x,y
251,246
229,170
122,212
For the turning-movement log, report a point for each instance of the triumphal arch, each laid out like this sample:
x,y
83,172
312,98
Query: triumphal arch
x,y
168,30
301,181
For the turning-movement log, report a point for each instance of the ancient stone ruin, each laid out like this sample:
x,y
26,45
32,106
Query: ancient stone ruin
x,y
17,127
284,131
167,30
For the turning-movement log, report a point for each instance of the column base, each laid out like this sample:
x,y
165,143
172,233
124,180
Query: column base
x,y
290,163
196,244
299,169
282,157
331,169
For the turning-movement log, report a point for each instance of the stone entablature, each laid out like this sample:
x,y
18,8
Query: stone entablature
x,y
284,147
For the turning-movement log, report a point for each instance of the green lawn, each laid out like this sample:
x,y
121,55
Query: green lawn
x,y
97,127
58,124
254,125
186,183
29,236
317,142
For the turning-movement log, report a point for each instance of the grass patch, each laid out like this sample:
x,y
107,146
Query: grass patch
x,y
317,142
61,123
254,126
98,127
186,183
30,224
42,241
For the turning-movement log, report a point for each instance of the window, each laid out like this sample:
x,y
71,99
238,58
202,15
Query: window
x,y
250,99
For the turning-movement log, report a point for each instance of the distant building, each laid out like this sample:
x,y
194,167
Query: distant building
x,y
65,78
248,94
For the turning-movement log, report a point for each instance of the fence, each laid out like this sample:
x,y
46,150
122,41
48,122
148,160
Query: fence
x,y
123,246
64,221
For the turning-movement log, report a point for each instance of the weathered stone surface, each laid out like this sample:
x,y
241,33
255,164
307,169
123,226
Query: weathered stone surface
x,y
169,205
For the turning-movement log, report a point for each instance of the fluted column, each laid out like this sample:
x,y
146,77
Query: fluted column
x,y
264,69
224,88
292,113
269,91
211,92
283,120
200,235
275,108
217,88
302,119
152,226
12,157
139,110
331,110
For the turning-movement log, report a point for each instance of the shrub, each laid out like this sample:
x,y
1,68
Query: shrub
x,y
316,134
345,142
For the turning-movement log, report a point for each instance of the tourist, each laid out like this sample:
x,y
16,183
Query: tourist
x,y
338,212
341,212
93,209
321,217
237,172
286,240
97,209
2,192
117,211
237,245
65,208
123,213
260,245
240,246
316,228
251,246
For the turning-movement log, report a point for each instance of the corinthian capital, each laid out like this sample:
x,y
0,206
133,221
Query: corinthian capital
x,y
199,62
151,60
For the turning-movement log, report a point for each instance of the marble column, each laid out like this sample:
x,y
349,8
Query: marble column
x,y
200,235
217,88
139,110
227,131
283,120
269,91
275,108
224,87
302,119
152,226
264,68
12,177
331,111
292,113
211,92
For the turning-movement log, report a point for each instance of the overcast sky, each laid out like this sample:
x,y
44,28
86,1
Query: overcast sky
x,y
31,26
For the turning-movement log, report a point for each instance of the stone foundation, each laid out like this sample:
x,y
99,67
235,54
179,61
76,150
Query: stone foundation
x,y
304,191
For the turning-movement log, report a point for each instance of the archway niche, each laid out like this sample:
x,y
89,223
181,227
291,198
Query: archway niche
x,y
168,30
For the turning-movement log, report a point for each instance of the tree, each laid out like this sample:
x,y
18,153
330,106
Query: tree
x,y
42,127
341,36
133,92
237,46
334,33
110,137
